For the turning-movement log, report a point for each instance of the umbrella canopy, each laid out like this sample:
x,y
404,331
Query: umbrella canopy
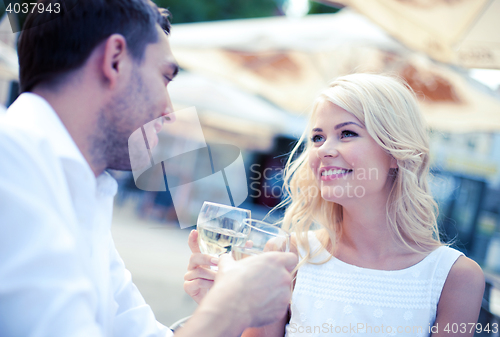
x,y
289,62
232,115
286,61
461,32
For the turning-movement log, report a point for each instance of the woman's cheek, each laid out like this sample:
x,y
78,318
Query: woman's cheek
x,y
314,164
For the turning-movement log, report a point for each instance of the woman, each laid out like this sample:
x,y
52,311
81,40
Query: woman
x,y
375,263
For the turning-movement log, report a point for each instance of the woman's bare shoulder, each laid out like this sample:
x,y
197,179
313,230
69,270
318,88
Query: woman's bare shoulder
x,y
466,274
462,294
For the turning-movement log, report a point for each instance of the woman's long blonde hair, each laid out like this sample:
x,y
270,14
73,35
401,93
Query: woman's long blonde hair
x,y
389,111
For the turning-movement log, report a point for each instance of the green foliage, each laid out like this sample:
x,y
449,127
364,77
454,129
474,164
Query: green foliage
x,y
209,10
317,8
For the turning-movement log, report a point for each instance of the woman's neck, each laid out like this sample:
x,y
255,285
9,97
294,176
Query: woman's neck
x,y
366,239
366,229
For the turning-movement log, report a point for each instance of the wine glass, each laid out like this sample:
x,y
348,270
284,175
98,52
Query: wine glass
x,y
220,226
260,237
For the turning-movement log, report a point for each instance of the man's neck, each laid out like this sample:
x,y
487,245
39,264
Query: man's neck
x,y
77,111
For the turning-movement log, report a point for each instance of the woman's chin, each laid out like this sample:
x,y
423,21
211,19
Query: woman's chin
x,y
333,194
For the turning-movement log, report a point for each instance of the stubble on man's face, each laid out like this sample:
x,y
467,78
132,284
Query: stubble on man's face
x,y
126,112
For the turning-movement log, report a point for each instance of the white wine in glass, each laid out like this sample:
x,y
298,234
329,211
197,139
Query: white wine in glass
x,y
261,237
220,227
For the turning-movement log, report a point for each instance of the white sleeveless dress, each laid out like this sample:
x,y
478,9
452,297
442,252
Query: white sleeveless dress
x,y
339,299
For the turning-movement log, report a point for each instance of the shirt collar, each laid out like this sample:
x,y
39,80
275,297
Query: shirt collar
x,y
106,185
34,113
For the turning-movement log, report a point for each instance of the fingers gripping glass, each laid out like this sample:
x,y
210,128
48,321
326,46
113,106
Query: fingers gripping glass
x,y
260,237
220,227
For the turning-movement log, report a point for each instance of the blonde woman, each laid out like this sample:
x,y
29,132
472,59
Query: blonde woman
x,y
374,263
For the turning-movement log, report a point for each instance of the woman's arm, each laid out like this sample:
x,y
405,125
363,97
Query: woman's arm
x,y
460,300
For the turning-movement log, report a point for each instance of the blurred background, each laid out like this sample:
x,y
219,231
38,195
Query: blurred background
x,y
252,70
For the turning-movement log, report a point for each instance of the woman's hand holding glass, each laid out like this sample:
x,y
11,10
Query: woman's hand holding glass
x,y
223,229
262,283
199,278
218,227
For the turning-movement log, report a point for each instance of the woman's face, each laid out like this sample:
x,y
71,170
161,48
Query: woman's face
x,y
346,161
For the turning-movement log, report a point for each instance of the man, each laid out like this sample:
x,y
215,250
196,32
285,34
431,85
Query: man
x,y
90,76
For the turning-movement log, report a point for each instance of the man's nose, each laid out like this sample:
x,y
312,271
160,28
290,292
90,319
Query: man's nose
x,y
169,115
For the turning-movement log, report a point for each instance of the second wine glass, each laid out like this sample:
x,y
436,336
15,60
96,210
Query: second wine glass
x,y
220,227
260,237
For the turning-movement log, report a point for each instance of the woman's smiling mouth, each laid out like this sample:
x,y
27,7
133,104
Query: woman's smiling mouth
x,y
330,173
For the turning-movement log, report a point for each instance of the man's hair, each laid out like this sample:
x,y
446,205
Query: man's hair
x,y
51,45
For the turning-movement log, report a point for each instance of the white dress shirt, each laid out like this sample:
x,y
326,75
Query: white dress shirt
x,y
60,274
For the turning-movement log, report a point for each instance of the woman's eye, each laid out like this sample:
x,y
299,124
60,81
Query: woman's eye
x,y
316,138
347,134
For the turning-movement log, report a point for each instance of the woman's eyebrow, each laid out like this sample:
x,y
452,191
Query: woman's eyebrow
x,y
338,126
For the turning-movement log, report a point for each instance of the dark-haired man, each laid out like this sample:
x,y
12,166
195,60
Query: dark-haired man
x,y
90,77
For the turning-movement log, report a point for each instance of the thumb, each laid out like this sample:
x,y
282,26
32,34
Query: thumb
x,y
193,241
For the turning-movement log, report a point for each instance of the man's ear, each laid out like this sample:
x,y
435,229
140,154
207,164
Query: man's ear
x,y
115,59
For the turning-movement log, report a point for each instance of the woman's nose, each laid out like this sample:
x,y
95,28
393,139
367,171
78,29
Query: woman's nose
x,y
328,149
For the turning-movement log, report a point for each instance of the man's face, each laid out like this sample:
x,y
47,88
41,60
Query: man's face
x,y
143,99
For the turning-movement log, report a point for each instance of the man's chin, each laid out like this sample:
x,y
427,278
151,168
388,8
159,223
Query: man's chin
x,y
122,162
122,167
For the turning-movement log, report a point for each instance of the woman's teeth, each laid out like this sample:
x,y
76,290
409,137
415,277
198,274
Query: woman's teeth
x,y
332,172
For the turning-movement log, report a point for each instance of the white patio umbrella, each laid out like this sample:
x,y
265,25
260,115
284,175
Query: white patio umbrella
x,y
231,114
461,32
286,61
289,62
